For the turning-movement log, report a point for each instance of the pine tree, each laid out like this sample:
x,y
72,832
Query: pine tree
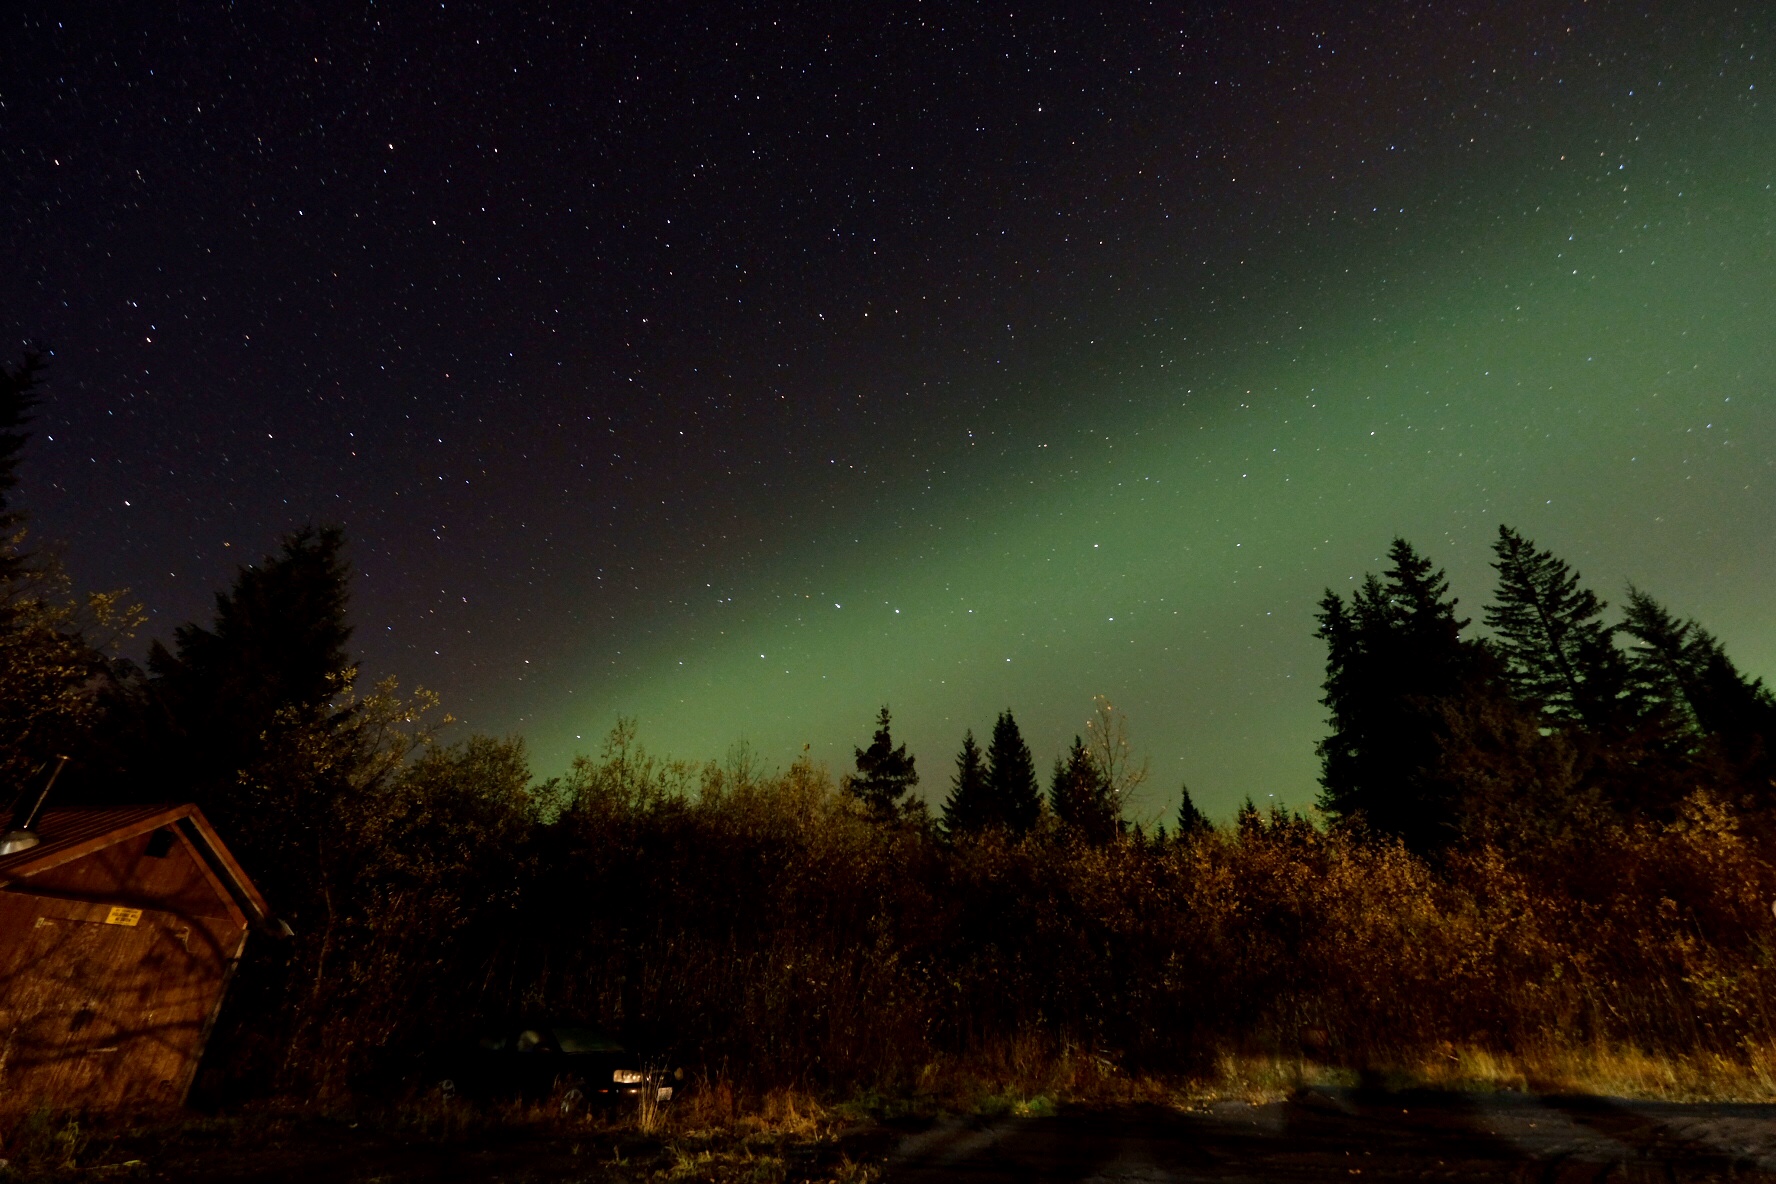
x,y
1247,822
1015,797
278,647
54,672
969,807
885,773
18,395
1667,661
1685,671
1080,798
1191,820
1395,655
1549,630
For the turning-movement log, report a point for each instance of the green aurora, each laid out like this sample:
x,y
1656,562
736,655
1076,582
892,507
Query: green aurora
x,y
1582,344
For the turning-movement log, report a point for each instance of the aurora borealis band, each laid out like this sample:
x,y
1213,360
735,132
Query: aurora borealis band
x,y
1100,410
1597,371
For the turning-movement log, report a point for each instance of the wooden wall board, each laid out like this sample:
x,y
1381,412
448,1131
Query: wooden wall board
x,y
103,1014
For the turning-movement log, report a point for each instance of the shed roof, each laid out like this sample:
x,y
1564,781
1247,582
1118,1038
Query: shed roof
x,y
72,832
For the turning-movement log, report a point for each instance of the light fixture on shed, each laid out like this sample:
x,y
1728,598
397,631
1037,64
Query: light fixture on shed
x,y
22,837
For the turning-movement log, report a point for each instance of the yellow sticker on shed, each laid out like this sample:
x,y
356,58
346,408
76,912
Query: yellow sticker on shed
x,y
122,916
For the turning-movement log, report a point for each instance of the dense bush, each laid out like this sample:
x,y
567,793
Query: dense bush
x,y
770,929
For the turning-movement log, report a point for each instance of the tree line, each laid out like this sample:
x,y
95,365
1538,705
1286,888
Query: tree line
x,y
1436,737
1555,719
998,790
1559,831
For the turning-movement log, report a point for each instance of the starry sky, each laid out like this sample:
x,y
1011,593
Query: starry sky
x,y
743,368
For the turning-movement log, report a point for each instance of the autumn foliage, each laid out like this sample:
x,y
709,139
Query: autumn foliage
x,y
771,930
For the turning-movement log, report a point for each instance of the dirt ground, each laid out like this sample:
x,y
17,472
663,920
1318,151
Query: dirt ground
x,y
1315,1135
284,1148
1324,1135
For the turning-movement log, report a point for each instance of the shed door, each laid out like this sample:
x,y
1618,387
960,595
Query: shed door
x,y
103,1007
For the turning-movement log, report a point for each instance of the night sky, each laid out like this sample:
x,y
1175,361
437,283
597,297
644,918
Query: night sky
x,y
743,369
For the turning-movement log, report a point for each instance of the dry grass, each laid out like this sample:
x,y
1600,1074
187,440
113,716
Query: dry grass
x,y
724,1130
782,1135
1609,1071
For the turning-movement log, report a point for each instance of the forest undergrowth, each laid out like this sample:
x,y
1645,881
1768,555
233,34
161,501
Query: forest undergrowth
x,y
773,934
822,972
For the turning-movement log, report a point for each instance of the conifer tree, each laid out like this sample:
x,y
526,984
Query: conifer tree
x,y
278,647
1394,655
1684,669
1558,653
885,773
1080,797
1191,820
1012,790
50,669
969,807
18,395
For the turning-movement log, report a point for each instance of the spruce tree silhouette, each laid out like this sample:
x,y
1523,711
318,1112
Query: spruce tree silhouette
x,y
18,395
1558,654
53,678
1012,790
969,807
1191,821
1080,798
1684,670
278,645
1395,654
885,774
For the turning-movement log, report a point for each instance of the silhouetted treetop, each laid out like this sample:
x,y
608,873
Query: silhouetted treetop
x,y
1549,630
1684,668
278,645
885,774
1081,798
18,395
1011,777
969,806
1191,819
1394,655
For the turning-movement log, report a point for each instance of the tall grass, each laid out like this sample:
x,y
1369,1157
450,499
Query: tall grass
x,y
766,933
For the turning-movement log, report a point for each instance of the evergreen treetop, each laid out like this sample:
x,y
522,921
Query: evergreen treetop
x,y
1683,668
969,807
18,395
278,646
1394,654
1080,797
885,773
1191,820
1549,631
1012,790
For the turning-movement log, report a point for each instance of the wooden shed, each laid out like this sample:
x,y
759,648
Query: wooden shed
x,y
119,932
